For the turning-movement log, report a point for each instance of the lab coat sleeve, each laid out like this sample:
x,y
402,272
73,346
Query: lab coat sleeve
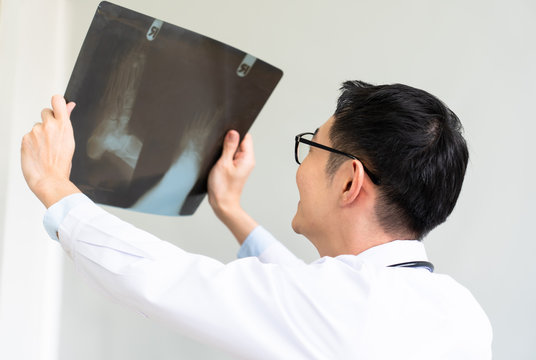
x,y
261,244
58,211
237,306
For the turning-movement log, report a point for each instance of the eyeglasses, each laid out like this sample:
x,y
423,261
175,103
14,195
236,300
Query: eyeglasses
x,y
304,143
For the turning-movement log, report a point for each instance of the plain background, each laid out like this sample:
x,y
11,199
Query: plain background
x,y
477,56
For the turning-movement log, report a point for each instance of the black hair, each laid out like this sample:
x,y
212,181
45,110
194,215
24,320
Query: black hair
x,y
412,142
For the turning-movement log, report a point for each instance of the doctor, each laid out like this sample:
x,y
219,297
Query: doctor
x,y
374,179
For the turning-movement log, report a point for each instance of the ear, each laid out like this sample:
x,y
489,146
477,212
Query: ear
x,y
354,175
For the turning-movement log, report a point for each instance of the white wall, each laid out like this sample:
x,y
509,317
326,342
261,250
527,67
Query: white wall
x,y
31,66
477,56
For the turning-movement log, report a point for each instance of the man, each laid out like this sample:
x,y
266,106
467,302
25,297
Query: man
x,y
382,172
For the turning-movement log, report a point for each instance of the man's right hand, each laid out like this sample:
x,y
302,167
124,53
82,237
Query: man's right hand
x,y
226,182
47,152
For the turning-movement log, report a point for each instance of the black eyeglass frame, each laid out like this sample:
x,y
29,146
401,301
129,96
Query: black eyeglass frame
x,y
299,140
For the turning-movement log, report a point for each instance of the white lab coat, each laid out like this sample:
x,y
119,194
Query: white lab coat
x,y
270,305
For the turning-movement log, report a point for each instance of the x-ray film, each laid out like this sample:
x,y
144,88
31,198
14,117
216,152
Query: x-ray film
x,y
154,102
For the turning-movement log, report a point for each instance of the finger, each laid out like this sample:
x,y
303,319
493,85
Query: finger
x,y
26,142
246,148
247,144
70,107
59,107
230,143
46,114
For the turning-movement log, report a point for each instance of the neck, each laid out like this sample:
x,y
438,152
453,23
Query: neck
x,y
351,237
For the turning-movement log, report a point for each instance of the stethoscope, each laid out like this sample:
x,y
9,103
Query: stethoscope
x,y
416,264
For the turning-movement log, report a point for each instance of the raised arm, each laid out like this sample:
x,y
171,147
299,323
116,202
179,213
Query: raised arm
x,y
235,306
226,182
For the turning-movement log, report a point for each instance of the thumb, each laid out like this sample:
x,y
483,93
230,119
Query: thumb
x,y
59,107
230,144
70,107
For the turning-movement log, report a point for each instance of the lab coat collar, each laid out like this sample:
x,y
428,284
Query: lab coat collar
x,y
393,252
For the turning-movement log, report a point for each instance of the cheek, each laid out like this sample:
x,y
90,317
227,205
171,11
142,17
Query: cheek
x,y
301,181
314,190
307,185
298,176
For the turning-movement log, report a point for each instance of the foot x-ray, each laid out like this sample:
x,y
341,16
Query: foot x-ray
x,y
154,102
